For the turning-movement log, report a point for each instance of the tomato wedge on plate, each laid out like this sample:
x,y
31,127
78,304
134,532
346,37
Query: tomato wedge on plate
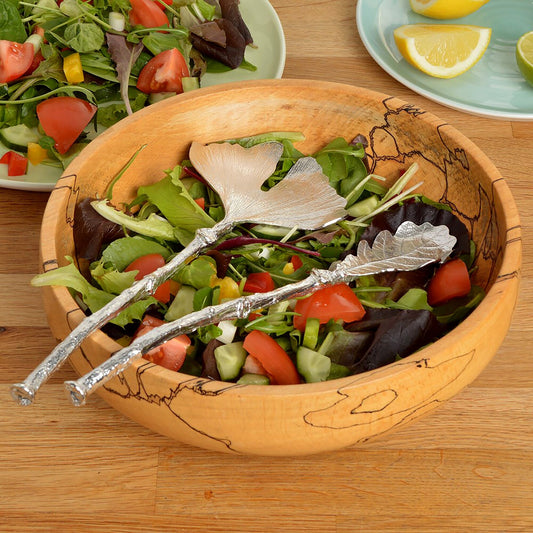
x,y
64,118
147,13
337,302
15,59
163,73
146,265
17,164
170,354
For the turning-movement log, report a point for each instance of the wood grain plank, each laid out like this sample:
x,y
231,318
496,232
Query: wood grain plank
x,y
102,482
466,467
480,481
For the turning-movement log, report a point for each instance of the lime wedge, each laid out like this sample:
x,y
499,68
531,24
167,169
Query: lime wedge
x,y
524,56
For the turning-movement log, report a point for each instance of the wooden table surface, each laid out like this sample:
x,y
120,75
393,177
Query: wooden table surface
x,y
465,467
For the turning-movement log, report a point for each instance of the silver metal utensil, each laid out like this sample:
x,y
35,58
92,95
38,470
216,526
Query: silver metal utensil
x,y
303,200
410,248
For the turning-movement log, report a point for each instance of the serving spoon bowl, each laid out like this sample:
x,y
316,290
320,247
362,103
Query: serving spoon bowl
x,y
307,418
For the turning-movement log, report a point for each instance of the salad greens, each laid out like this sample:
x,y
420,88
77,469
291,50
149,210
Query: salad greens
x,y
335,332
98,51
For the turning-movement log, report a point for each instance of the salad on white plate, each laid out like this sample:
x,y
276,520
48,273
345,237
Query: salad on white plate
x,y
69,69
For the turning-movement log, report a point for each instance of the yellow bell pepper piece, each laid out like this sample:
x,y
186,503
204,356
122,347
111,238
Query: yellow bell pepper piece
x,y
288,269
229,289
73,69
36,153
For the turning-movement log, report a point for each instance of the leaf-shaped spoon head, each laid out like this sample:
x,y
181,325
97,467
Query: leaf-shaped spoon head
x,y
303,199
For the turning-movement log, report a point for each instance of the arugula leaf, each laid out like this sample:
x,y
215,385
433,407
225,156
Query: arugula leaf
x,y
158,42
154,226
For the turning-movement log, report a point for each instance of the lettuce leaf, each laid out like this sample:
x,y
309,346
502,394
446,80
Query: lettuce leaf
x,y
95,299
171,197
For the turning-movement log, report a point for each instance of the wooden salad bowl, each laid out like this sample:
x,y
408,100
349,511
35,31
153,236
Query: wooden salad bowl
x,y
307,418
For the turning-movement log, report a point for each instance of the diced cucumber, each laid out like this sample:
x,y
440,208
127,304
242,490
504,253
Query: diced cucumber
x,y
253,379
182,304
265,231
313,366
230,359
190,83
18,137
153,98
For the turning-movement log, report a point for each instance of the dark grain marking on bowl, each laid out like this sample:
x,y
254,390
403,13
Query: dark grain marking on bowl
x,y
384,400
171,400
452,162
53,263
68,314
507,276
73,192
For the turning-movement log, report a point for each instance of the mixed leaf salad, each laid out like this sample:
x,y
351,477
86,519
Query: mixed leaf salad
x,y
336,331
71,68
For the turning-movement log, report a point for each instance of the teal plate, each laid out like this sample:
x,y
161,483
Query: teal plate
x,y
267,54
493,87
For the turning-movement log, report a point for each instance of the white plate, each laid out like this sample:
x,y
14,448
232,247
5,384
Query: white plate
x,y
268,55
493,87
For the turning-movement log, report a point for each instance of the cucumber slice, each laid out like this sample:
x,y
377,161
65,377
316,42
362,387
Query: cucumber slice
x,y
182,304
230,359
190,83
18,137
253,379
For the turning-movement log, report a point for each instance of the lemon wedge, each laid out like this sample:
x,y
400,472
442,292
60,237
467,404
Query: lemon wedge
x,y
446,9
524,56
442,50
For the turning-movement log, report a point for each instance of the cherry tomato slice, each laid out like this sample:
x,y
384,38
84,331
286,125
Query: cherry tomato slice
x,y
163,73
146,265
15,59
37,59
259,282
161,6
147,14
170,354
450,281
17,164
296,262
200,202
64,118
337,302
272,357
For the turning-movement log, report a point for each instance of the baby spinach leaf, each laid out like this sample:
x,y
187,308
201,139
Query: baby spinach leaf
x,y
11,25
